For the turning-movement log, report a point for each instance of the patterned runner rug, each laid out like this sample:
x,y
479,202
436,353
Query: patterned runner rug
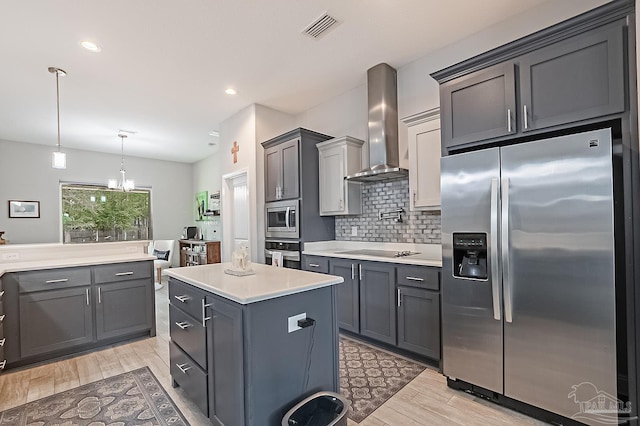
x,y
370,376
133,398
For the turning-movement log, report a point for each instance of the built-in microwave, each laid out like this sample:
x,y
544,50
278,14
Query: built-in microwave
x,y
282,219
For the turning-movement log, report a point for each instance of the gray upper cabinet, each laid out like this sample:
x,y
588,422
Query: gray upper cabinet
x,y
419,321
123,308
577,79
54,320
281,171
378,301
479,106
348,294
558,78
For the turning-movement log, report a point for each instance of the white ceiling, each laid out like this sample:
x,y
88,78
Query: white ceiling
x,y
165,64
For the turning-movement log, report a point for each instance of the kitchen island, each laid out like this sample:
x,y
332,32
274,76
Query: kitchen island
x,y
237,349
61,299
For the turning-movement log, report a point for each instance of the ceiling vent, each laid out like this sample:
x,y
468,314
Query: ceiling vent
x,y
320,26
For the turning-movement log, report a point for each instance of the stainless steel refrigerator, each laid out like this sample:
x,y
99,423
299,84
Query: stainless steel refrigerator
x,y
528,294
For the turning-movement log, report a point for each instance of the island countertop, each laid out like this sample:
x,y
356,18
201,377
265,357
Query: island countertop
x,y
268,282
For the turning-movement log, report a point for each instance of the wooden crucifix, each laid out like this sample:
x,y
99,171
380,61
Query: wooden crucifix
x,y
234,151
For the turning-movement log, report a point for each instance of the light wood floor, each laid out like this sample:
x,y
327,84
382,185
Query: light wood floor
x,y
425,401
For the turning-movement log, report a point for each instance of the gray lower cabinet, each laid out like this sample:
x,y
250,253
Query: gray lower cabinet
x,y
55,319
348,294
378,301
226,358
419,321
122,308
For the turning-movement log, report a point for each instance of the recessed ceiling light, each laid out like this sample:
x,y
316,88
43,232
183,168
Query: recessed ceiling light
x,y
230,91
214,133
90,46
212,144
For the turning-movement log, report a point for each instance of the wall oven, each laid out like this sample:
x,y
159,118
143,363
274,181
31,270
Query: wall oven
x,y
290,253
282,219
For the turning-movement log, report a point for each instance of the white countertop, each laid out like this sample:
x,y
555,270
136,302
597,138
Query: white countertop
x,y
429,254
71,262
28,257
268,282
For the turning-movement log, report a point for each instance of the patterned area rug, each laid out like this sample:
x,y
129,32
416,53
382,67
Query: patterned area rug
x,y
369,376
133,398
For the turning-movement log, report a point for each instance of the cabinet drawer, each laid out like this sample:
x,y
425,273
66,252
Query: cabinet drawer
x,y
316,264
419,276
189,377
53,279
189,335
122,272
187,298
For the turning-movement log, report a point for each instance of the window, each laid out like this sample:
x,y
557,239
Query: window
x,y
97,214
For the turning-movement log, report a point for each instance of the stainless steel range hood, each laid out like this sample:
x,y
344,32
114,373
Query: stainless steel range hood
x,y
382,101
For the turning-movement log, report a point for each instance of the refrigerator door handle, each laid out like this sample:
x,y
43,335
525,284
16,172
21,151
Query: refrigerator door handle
x,y
495,270
506,273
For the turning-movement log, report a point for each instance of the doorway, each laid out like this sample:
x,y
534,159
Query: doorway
x,y
235,212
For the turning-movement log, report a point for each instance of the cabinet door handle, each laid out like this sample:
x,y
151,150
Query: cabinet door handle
x,y
122,274
87,292
509,119
360,271
414,279
99,294
183,298
526,119
353,271
341,204
2,341
183,325
183,367
399,298
62,280
1,293
2,364
204,313
314,265
1,318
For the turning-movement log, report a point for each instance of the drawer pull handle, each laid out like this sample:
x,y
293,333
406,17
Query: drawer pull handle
x,y
183,298
62,280
2,341
314,265
183,325
1,293
204,313
183,367
1,318
414,279
122,274
3,364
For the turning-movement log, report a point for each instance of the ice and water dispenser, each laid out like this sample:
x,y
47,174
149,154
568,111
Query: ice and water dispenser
x,y
470,255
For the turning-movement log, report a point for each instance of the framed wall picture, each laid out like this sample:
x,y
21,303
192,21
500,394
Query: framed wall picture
x,y
24,209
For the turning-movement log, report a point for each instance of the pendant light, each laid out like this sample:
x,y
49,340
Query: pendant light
x,y
59,158
122,183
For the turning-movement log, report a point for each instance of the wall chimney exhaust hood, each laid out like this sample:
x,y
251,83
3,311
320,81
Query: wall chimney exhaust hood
x,y
382,101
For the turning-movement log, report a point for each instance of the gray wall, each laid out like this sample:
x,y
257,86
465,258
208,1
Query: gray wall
x,y
26,174
418,227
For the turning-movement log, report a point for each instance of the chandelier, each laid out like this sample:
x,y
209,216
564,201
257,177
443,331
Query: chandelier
x,y
122,183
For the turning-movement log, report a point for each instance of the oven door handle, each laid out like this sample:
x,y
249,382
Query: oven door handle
x,y
288,255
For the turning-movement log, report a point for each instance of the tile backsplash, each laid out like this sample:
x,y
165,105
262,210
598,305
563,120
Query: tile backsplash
x,y
417,227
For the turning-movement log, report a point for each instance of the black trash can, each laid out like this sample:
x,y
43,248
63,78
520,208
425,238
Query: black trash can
x,y
320,409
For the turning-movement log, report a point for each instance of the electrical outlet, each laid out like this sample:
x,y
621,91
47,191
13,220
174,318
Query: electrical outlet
x,y
10,256
354,231
293,322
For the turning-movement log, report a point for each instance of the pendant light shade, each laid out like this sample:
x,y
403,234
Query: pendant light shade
x,y
122,183
58,158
